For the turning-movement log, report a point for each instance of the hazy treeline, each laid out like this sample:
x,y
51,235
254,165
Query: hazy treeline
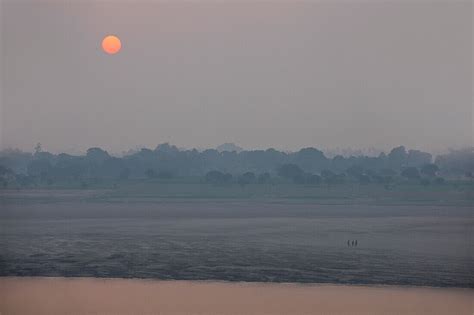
x,y
308,166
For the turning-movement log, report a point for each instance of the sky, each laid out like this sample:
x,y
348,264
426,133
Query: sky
x,y
281,74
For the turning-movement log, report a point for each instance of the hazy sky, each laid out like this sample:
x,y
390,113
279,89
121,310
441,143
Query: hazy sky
x,y
260,74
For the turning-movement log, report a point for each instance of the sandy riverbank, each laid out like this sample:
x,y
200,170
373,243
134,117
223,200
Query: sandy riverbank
x,y
123,296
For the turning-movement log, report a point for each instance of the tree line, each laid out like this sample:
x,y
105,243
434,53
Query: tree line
x,y
306,166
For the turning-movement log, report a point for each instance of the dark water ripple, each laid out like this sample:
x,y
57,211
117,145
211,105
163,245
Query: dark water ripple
x,y
243,242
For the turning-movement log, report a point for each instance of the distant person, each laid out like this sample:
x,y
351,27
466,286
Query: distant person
x,y
356,243
353,243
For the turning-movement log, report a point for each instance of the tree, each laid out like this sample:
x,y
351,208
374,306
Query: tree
x,y
418,158
124,173
355,171
165,174
40,168
290,171
216,177
246,178
338,179
263,178
97,155
333,178
69,167
5,171
363,179
313,179
229,147
150,173
425,181
38,148
325,174
7,176
111,168
429,170
311,159
387,172
397,157
300,179
456,162
410,173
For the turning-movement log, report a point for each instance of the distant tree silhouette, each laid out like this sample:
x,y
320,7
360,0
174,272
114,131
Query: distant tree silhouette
x,y
38,148
290,171
313,179
425,181
429,170
246,178
164,174
301,167
150,173
325,174
216,177
397,157
40,168
264,178
97,155
410,173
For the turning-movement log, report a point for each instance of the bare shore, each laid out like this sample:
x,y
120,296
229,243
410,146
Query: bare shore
x,y
121,296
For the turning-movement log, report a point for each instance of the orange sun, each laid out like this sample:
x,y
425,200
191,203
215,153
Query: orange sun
x,y
111,44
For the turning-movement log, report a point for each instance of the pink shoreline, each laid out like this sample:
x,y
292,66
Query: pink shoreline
x,y
137,296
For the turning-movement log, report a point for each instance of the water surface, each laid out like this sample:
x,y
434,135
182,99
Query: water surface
x,y
239,241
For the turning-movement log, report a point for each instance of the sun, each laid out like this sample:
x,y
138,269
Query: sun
x,y
111,44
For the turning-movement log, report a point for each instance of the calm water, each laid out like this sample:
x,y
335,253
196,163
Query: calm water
x,y
240,241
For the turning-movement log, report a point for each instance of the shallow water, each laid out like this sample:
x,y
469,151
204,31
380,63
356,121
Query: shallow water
x,y
241,241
